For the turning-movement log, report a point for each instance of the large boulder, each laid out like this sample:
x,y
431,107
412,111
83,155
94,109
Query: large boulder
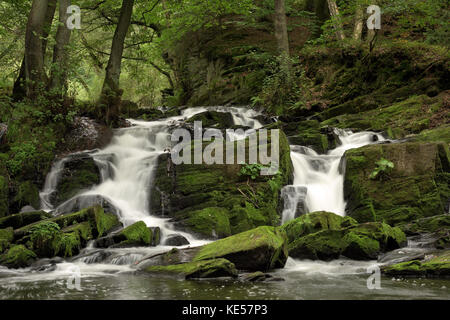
x,y
213,268
315,222
214,119
260,249
417,186
215,201
427,225
434,265
361,242
6,237
80,172
18,256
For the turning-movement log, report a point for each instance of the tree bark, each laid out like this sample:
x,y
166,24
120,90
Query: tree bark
x,y
58,80
19,89
359,17
111,93
334,12
281,33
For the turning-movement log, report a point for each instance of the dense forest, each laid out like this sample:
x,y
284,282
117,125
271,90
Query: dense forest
x,y
358,89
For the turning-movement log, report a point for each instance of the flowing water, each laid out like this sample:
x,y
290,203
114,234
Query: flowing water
x,y
126,167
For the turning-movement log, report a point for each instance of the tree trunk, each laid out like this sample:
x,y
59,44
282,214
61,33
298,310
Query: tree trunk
x,y
281,33
111,93
359,17
334,12
58,80
19,89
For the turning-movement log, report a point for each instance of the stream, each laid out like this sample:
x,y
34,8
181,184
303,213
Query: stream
x,y
126,167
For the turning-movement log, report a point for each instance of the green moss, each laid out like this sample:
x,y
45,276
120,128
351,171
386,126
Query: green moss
x,y
18,256
438,265
198,269
105,222
4,191
360,247
136,234
67,244
210,222
314,222
427,225
6,237
214,119
27,194
323,245
417,186
263,248
19,220
389,238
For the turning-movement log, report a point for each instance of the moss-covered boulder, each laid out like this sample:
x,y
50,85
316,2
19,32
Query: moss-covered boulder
x,y
27,194
213,268
99,221
215,200
214,119
19,220
138,234
436,265
361,242
6,237
79,172
417,186
259,249
18,256
314,222
427,225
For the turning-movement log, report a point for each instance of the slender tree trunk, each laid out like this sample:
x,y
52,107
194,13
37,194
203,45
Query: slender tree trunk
x,y
334,12
281,33
359,17
19,90
58,80
111,93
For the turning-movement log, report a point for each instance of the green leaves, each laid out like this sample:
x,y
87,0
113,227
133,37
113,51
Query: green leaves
x,y
384,167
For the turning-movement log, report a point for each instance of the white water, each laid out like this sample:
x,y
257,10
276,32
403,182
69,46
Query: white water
x,y
321,177
127,166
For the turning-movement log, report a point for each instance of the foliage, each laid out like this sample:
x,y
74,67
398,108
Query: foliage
x,y
384,167
251,170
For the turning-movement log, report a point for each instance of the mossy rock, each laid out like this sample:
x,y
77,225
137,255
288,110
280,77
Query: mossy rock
x,y
18,256
427,225
80,172
27,195
323,245
212,222
438,265
417,187
213,268
259,249
192,194
99,221
360,242
4,192
138,234
6,237
314,222
214,119
19,220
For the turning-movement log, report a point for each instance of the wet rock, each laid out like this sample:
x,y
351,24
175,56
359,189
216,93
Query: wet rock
x,y
27,209
417,187
255,276
19,220
80,172
86,201
403,255
18,256
87,134
175,240
433,265
213,268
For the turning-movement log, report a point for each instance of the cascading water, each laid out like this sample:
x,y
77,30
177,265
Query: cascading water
x,y
318,179
127,166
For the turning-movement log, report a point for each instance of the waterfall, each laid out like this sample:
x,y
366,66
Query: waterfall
x,y
318,180
127,166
